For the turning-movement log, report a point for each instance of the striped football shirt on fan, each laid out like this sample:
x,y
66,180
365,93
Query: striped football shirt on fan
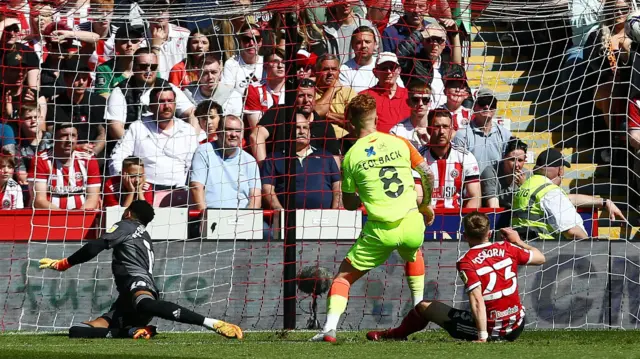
x,y
260,98
66,185
457,168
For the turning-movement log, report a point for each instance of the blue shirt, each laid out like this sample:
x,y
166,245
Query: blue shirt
x,y
315,175
227,181
396,33
7,136
488,149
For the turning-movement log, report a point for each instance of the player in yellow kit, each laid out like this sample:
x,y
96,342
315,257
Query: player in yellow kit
x,y
377,173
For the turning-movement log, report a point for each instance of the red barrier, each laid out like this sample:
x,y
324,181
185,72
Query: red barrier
x,y
50,225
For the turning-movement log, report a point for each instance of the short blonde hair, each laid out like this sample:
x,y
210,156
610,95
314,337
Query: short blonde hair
x,y
360,107
476,225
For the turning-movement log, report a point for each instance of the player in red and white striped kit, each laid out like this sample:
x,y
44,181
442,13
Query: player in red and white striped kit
x,y
490,275
64,178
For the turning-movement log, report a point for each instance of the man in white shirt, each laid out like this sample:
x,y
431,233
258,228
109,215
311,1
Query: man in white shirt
x,y
168,41
210,88
357,72
246,67
129,100
165,144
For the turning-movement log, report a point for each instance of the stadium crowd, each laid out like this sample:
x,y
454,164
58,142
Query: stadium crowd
x,y
100,111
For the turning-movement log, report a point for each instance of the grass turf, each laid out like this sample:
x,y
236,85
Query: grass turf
x,y
532,344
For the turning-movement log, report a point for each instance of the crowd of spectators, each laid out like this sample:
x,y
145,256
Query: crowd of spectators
x,y
98,112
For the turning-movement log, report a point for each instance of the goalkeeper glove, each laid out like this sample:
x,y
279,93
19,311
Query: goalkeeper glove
x,y
60,265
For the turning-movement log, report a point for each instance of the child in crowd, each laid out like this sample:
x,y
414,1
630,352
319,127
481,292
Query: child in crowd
x,y
10,190
130,186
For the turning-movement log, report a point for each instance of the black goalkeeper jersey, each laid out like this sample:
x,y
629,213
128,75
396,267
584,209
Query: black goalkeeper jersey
x,y
133,255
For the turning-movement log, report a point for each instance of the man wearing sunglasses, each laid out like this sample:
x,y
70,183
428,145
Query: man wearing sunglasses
x,y
431,61
485,139
129,100
246,67
415,127
127,41
10,42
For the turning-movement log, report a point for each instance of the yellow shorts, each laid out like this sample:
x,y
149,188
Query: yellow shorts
x,y
378,239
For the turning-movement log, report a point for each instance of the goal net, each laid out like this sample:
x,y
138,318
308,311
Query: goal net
x,y
205,109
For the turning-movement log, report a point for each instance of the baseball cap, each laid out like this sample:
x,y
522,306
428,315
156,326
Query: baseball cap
x,y
551,158
305,58
485,96
436,30
128,31
387,57
73,64
456,73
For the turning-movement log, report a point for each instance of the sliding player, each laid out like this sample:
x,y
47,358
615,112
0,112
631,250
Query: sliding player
x,y
132,267
490,275
378,167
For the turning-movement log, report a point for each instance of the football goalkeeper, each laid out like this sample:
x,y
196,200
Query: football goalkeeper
x,y
132,267
378,167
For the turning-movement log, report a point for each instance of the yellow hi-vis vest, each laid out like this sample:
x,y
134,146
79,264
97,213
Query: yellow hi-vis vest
x,y
526,209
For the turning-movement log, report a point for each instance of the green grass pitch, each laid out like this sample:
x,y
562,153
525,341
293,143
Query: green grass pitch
x,y
433,344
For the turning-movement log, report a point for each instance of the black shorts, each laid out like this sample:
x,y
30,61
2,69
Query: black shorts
x,y
122,313
462,326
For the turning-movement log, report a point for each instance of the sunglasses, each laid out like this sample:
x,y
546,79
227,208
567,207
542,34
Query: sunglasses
x,y
391,68
484,102
420,99
251,38
435,40
153,67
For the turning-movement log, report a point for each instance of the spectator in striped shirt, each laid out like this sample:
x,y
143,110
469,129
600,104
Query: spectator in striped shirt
x,y
10,190
261,97
63,178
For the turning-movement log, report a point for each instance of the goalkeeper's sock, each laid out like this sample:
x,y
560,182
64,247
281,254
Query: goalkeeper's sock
x,y
412,323
336,303
415,277
168,311
88,332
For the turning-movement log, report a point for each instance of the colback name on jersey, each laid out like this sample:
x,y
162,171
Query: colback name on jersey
x,y
381,160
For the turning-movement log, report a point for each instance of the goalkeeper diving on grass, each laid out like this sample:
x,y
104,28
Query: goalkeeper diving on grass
x,y
132,266
376,172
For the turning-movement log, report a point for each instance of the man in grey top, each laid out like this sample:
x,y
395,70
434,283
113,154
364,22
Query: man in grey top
x,y
483,138
500,182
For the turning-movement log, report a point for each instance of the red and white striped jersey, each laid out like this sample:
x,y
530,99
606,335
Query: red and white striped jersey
x,y
66,186
457,168
11,195
461,116
73,16
260,98
494,267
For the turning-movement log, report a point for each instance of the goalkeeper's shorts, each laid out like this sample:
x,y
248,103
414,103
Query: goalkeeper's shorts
x,y
378,239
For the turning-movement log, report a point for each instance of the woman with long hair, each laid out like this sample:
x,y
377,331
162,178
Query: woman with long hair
x,y
187,71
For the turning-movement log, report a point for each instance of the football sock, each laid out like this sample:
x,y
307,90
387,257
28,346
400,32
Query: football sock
x,y
415,277
88,332
411,323
168,311
336,303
